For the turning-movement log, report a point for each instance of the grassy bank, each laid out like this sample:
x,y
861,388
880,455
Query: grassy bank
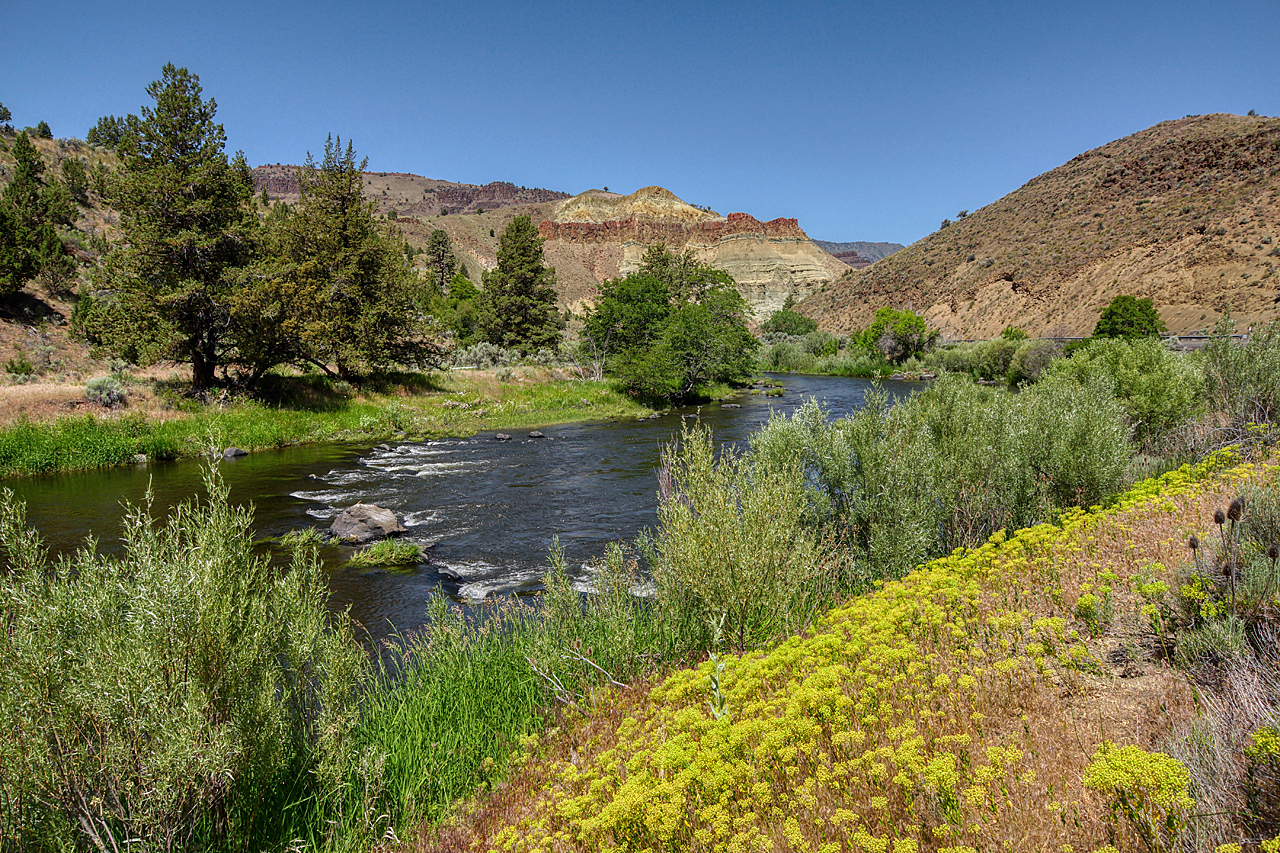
x,y
299,410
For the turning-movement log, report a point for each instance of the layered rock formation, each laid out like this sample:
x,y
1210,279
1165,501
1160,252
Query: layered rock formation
x,y
609,234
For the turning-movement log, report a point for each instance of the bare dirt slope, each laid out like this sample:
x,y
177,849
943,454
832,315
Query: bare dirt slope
x,y
1186,213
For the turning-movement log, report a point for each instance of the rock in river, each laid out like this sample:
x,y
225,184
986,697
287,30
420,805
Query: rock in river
x,y
365,523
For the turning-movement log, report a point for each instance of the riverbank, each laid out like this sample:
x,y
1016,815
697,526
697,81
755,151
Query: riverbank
x,y
55,428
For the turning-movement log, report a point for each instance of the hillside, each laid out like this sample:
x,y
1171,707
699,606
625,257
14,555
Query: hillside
x,y
34,324
1186,212
412,195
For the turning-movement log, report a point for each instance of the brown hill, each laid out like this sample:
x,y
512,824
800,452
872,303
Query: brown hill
x,y
413,195
1186,212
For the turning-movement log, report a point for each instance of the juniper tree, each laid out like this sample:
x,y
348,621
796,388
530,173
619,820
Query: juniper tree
x,y
335,289
30,208
517,306
187,232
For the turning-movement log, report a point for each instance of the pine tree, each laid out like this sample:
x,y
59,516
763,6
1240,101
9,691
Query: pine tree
x,y
29,210
336,287
441,260
518,305
187,232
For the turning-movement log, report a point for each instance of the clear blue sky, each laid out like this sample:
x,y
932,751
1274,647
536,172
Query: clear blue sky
x,y
866,121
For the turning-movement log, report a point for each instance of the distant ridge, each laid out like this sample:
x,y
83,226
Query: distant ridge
x,y
413,195
869,252
1186,213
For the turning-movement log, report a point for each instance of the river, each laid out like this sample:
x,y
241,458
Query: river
x,y
487,509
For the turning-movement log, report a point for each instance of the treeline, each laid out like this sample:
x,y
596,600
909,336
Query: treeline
x,y
205,273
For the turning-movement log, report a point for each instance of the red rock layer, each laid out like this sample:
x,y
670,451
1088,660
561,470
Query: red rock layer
x,y
672,233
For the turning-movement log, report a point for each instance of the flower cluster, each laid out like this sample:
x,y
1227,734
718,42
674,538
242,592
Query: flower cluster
x,y
898,723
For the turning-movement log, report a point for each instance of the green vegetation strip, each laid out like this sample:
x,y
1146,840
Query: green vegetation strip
x,y
89,441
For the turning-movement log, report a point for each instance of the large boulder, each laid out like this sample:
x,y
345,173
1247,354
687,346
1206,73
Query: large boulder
x,y
364,523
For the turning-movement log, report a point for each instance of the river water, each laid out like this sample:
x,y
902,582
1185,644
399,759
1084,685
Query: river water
x,y
487,509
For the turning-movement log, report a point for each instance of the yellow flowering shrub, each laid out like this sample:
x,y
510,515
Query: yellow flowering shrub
x,y
898,723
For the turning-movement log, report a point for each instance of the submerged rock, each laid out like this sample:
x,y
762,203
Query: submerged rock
x,y
366,523
233,452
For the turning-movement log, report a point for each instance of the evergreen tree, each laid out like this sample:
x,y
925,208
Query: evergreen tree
x,y
187,233
441,260
517,308
336,288
76,179
30,209
43,131
108,132
5,116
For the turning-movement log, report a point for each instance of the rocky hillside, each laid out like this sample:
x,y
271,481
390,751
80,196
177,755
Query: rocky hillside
x,y
413,195
859,253
606,234
1186,212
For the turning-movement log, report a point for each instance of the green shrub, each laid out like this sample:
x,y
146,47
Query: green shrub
x,y
1032,360
1159,388
106,391
732,548
160,695
20,367
788,322
901,484
1242,380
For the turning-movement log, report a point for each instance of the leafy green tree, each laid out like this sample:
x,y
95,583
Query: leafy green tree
x,y
457,310
187,233
441,260
517,309
108,132
336,289
1129,317
684,277
787,322
897,335
665,347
